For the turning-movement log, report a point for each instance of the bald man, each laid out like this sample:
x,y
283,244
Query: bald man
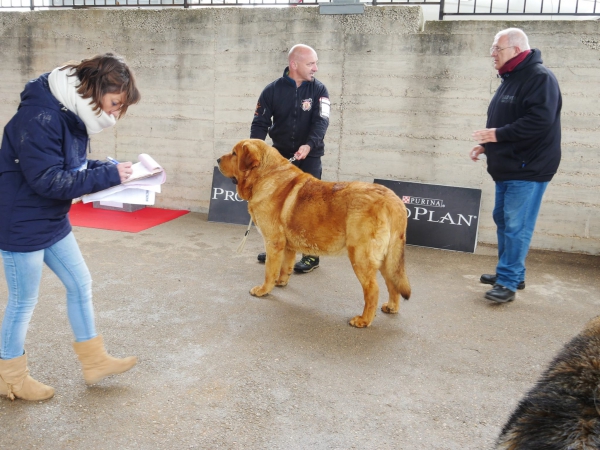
x,y
294,111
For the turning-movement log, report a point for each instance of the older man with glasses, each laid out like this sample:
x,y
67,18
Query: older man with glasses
x,y
521,142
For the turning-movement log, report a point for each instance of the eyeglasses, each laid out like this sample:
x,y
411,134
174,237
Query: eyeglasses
x,y
498,49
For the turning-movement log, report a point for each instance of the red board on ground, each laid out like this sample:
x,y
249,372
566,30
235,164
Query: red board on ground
x,y
85,215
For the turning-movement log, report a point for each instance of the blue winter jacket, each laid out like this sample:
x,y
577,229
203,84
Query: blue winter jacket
x,y
526,114
43,147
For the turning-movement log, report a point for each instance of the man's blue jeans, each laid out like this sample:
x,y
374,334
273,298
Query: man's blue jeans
x,y
515,213
23,272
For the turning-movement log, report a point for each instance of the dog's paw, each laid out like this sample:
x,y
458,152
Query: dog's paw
x,y
359,322
281,283
387,309
258,291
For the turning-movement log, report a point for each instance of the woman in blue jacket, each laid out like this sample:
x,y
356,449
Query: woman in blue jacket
x,y
43,166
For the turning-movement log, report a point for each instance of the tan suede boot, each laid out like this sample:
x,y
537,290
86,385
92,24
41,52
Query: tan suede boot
x,y
16,382
97,364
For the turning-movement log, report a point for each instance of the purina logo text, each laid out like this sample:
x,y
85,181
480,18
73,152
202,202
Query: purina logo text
x,y
433,202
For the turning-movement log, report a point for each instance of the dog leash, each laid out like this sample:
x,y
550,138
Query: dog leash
x,y
243,243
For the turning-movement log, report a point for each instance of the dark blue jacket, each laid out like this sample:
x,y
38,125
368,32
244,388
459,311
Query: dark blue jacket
x,y
526,114
292,116
42,147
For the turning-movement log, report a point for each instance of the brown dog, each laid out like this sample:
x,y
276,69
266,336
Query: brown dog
x,y
295,212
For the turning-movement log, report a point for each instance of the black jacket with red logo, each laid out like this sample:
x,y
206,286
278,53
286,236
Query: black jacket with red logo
x,y
292,116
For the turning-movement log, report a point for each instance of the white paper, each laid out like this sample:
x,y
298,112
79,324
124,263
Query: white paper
x,y
142,181
144,169
131,196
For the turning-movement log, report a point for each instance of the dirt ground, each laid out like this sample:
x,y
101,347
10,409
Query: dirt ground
x,y
219,368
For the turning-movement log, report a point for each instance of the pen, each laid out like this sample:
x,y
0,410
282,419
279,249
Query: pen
x,y
112,160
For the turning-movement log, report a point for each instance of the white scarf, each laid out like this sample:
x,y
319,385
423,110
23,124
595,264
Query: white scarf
x,y
64,88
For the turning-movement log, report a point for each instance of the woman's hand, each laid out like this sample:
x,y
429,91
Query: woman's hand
x,y
125,170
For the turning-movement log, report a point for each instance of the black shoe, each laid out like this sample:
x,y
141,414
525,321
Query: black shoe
x,y
491,279
262,257
500,294
307,264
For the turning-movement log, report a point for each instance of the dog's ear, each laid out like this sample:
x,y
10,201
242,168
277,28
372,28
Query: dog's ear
x,y
248,157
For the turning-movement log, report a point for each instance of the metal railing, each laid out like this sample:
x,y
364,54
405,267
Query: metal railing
x,y
522,8
49,4
446,7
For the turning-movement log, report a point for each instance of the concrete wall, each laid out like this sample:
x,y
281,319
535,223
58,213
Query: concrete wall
x,y
405,97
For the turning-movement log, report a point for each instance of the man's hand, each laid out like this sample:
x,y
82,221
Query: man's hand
x,y
302,152
485,136
476,151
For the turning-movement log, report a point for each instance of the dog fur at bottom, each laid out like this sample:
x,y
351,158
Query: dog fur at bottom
x,y
562,411
295,212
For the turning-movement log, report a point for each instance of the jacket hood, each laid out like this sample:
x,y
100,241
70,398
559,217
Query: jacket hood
x,y
534,57
37,93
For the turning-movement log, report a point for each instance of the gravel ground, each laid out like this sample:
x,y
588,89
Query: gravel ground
x,y
219,368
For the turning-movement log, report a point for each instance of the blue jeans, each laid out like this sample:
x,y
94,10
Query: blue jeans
x,y
23,272
515,213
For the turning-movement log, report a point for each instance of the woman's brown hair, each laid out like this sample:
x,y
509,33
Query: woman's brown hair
x,y
105,74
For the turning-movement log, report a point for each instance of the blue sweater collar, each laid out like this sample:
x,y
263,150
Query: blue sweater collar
x,y
286,77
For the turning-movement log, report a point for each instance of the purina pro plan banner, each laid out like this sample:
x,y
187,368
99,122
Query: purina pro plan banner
x,y
225,205
444,217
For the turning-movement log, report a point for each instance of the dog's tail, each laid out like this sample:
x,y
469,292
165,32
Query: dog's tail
x,y
393,269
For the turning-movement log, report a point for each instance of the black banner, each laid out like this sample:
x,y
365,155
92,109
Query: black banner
x,y
225,205
443,217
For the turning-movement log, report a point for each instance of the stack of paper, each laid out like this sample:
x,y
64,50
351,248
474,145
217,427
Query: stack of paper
x,y
139,189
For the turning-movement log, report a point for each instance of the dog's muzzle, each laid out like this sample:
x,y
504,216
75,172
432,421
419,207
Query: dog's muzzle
x,y
233,179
